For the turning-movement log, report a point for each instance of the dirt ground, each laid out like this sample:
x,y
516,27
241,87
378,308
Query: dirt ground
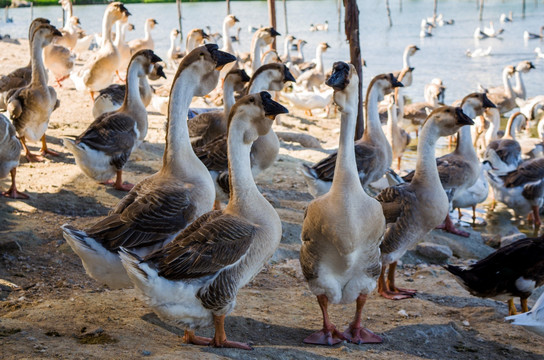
x,y
59,312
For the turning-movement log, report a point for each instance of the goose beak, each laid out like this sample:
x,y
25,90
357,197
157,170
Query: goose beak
x,y
395,83
155,58
124,10
486,102
531,65
236,19
273,32
271,108
287,76
160,71
339,78
221,58
155,22
245,77
462,118
57,33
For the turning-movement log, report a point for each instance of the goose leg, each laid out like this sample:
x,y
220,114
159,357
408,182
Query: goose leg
x,y
30,156
449,227
524,307
44,150
189,337
391,282
474,214
357,334
384,291
460,213
13,192
511,307
328,335
217,204
119,185
536,216
220,337
119,76
398,162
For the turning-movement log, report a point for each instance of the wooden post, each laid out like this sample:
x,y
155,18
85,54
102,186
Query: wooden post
x,y
63,17
285,16
339,14
523,9
481,9
400,5
228,7
434,11
388,13
351,22
272,16
178,3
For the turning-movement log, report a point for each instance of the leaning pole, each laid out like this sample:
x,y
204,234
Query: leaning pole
x,y
272,16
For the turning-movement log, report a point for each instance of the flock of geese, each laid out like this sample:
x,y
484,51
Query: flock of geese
x,y
170,239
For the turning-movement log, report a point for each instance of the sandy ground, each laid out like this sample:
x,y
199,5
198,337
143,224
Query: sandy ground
x,y
58,312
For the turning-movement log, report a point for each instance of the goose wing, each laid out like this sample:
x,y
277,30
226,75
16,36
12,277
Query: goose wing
x,y
212,242
508,150
395,201
115,91
364,157
214,154
528,172
15,79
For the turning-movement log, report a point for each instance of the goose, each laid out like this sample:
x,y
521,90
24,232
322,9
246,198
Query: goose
x,y
125,53
435,90
181,191
228,23
514,270
532,320
539,53
261,38
492,116
97,73
174,53
315,77
270,56
522,189
342,230
508,148
193,281
491,32
111,98
504,97
69,33
409,51
506,18
195,38
30,107
397,137
147,42
10,151
20,77
59,61
426,32
459,170
413,209
287,44
322,27
299,58
372,151
263,151
522,68
104,148
309,100
479,52
475,194
531,36
207,126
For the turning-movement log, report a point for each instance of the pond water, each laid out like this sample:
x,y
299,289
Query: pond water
x,y
442,55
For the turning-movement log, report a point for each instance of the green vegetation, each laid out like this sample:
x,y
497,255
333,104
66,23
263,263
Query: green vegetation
x,y
4,3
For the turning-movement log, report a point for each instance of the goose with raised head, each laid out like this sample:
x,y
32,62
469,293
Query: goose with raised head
x,y
342,230
314,77
10,151
59,61
397,137
261,38
98,71
147,42
531,36
30,107
228,23
195,38
506,18
413,209
514,270
207,126
522,68
287,44
181,191
125,53
532,320
70,33
503,97
193,281
460,169
174,53
111,98
299,58
409,51
104,148
264,150
475,194
508,148
372,151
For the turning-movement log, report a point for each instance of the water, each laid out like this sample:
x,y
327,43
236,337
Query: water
x,y
442,56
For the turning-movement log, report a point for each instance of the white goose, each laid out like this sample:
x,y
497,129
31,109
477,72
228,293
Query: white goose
x,y
409,51
532,320
314,77
147,42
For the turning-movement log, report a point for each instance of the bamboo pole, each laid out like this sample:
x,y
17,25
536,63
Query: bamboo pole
x,y
285,16
272,16
388,12
351,22
481,9
228,7
178,3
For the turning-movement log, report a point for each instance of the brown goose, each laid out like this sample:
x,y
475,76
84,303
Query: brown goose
x,y
147,42
10,151
163,204
30,107
105,147
193,281
342,230
409,51
372,152
413,209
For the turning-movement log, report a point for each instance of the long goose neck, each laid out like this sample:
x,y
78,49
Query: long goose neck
x,y
319,59
107,22
228,95
132,103
373,126
346,168
464,143
520,86
260,83
426,169
119,36
178,145
145,90
226,38
300,53
510,132
256,45
39,75
147,30
286,50
406,59
506,83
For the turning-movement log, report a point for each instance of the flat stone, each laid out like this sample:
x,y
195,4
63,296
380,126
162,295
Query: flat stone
x,y
434,252
472,247
510,239
493,240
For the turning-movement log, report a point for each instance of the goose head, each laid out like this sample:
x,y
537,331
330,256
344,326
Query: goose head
x,y
345,82
385,83
206,61
509,70
274,74
412,49
47,33
74,21
238,77
289,39
258,111
497,165
198,35
157,72
147,59
230,20
34,24
474,104
151,23
118,10
174,34
267,34
449,119
323,46
524,66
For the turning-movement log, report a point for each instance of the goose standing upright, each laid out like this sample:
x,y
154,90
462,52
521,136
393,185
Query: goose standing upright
x,y
342,230
30,107
315,77
372,151
261,38
125,53
10,151
228,23
193,281
174,53
181,191
409,51
287,43
413,209
195,38
104,148
522,68
147,42
504,97
59,60
397,137
508,148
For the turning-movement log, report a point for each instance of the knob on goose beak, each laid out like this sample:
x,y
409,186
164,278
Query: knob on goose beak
x,y
273,32
287,76
220,57
124,10
155,58
394,82
486,102
245,77
236,19
160,71
462,118
339,78
57,33
271,108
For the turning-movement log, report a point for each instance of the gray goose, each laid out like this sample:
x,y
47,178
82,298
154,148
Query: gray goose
x,y
413,209
193,281
10,151
163,204
342,230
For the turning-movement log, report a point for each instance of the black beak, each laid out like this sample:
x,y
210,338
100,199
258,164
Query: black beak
x,y
273,32
287,76
339,78
155,22
327,46
415,47
78,22
236,19
124,10
220,57
462,118
486,102
245,77
204,35
57,33
160,71
394,82
155,58
531,66
271,108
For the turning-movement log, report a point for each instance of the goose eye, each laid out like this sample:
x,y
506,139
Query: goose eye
x,y
201,54
252,100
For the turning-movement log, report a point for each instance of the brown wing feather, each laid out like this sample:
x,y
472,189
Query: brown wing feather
x,y
529,171
214,154
364,157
